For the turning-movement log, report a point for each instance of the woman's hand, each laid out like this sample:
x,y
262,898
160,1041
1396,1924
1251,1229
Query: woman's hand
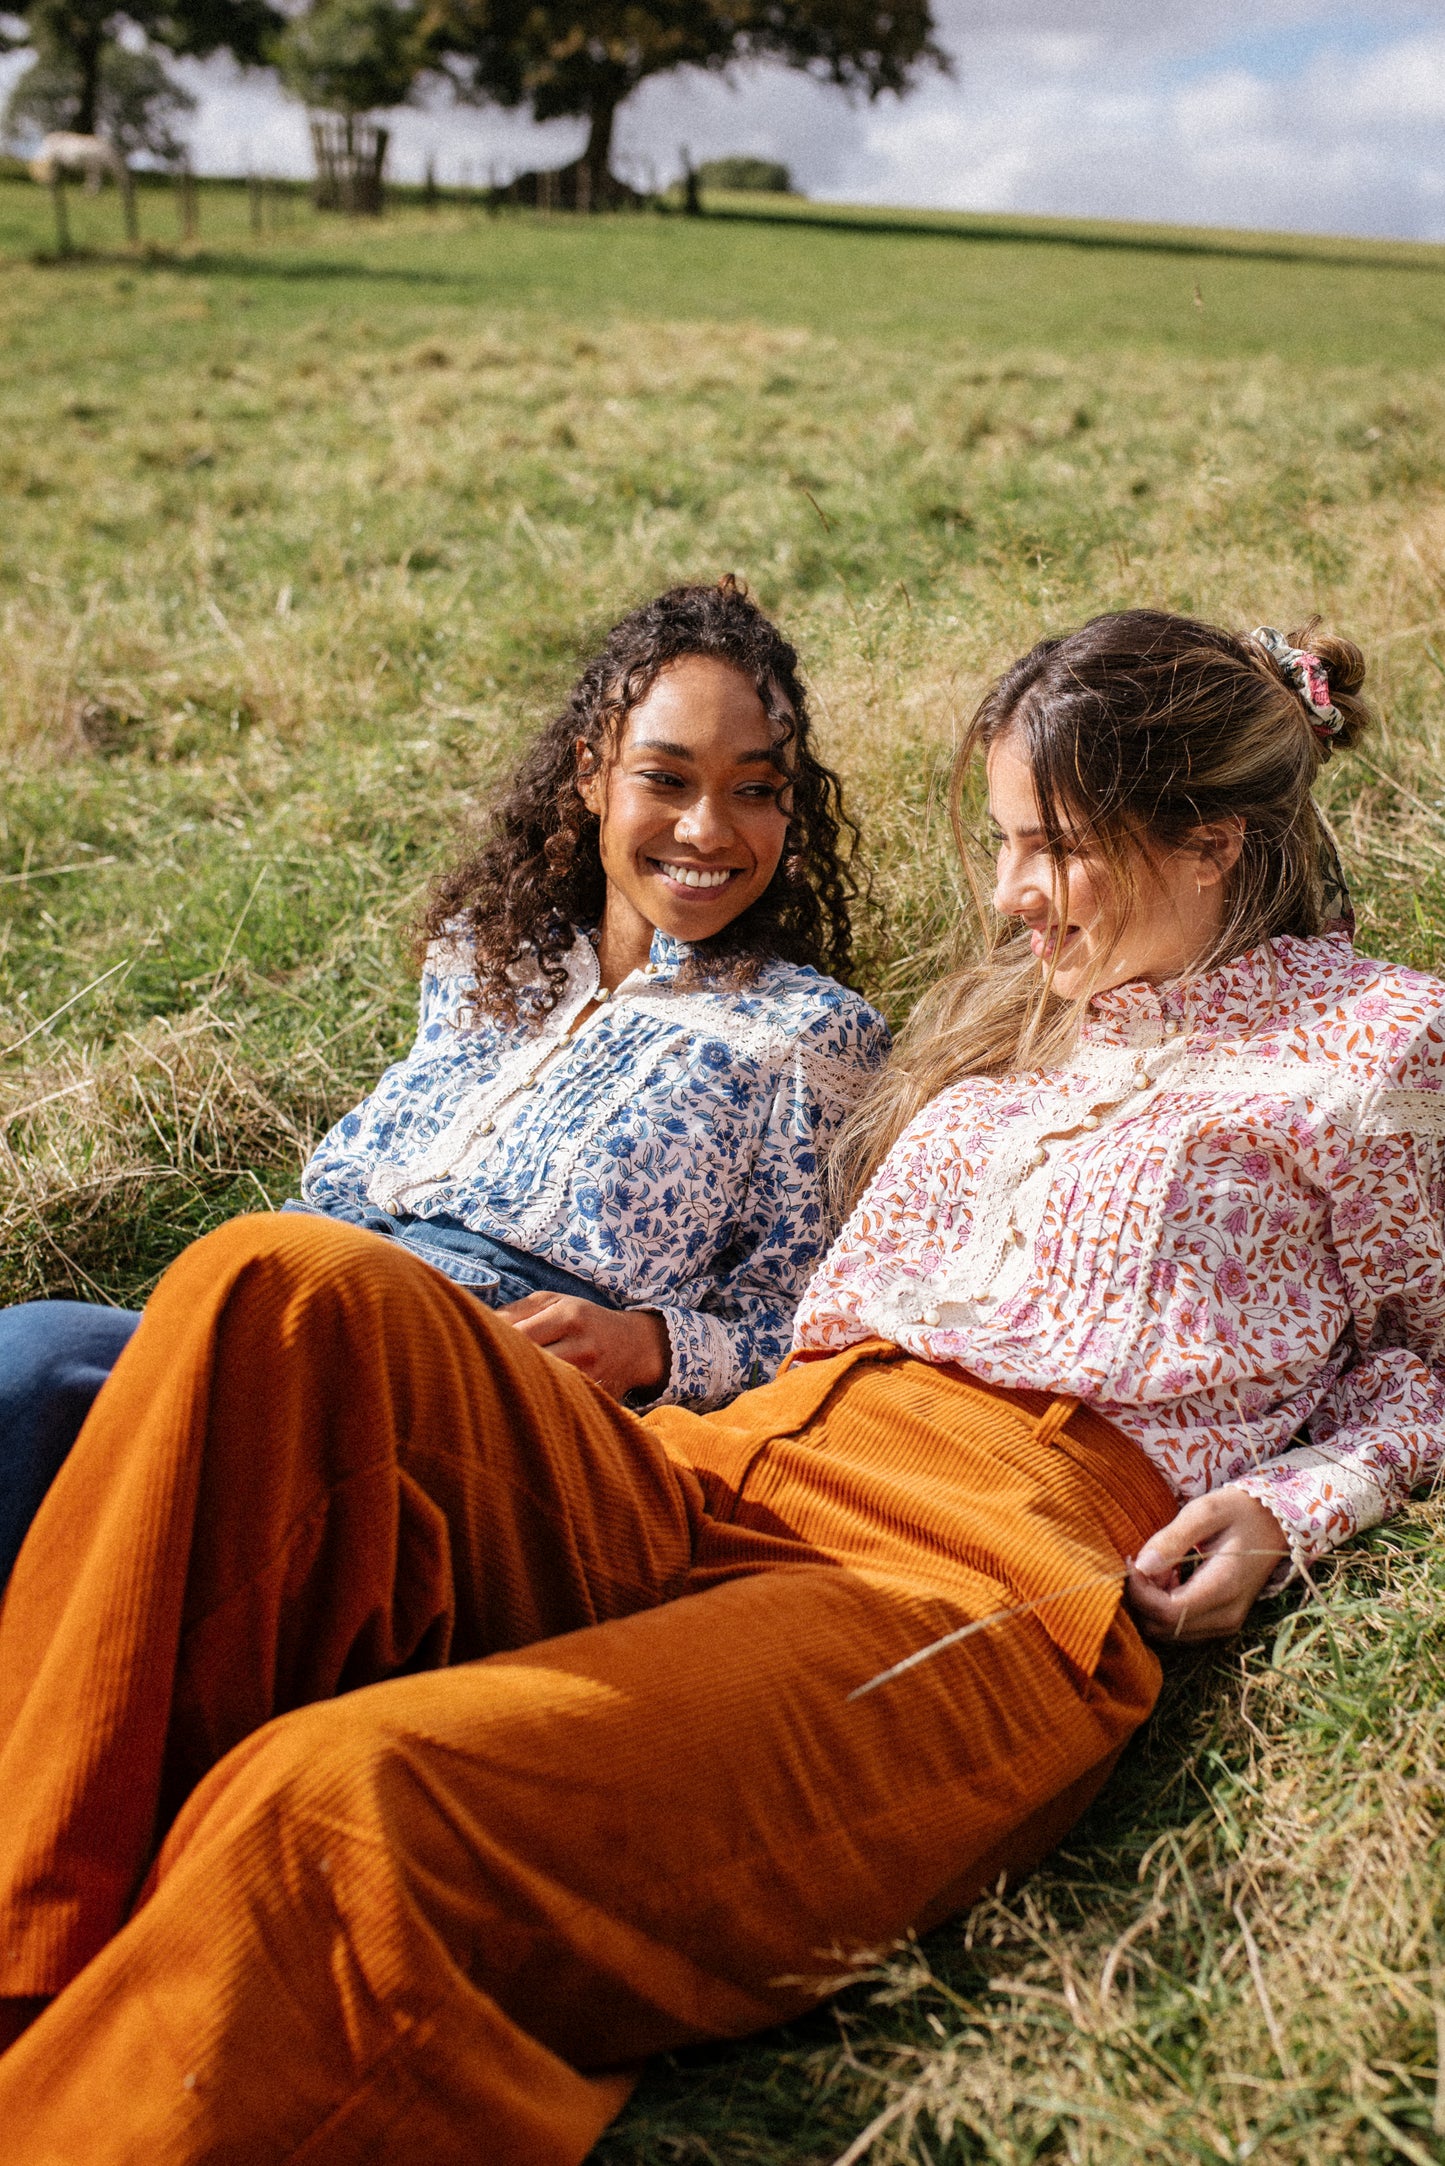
x,y
621,1349
1239,1542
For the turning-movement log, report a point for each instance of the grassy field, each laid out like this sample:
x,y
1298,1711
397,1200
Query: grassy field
x,y
302,534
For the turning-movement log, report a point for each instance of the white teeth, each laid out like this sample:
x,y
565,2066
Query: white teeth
x,y
693,876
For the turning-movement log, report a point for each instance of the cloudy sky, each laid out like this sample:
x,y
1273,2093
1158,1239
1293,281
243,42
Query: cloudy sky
x,y
1316,115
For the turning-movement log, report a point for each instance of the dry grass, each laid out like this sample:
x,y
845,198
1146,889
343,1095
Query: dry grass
x,y
1269,1986
297,541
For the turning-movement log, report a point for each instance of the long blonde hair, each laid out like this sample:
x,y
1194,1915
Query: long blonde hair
x,y
1138,728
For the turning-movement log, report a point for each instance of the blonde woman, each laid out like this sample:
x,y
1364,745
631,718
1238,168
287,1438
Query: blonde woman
x,y
400,1739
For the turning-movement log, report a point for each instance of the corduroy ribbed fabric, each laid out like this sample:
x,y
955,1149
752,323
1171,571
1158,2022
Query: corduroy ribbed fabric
x,y
399,1740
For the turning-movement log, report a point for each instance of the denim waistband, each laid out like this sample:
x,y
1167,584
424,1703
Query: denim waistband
x,y
492,1269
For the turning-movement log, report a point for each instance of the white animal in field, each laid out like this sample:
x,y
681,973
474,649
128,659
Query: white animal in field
x,y
91,155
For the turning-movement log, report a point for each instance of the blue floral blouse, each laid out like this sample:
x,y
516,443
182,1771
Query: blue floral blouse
x,y
670,1152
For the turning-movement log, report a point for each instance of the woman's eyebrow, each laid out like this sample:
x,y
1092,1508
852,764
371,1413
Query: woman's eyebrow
x,y
681,752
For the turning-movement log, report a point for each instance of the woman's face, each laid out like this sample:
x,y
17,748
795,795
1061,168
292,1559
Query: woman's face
x,y
1175,919
693,803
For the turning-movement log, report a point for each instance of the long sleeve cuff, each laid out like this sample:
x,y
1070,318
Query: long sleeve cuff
x,y
1319,1496
712,1360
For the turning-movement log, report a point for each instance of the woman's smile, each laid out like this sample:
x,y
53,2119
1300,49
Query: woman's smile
x,y
684,876
1046,940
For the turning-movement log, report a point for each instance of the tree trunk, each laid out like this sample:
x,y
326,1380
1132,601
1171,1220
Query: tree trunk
x,y
88,50
597,155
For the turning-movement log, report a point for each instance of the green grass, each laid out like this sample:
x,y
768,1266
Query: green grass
x,y
300,537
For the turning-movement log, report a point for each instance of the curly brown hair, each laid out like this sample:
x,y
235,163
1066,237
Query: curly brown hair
x,y
538,874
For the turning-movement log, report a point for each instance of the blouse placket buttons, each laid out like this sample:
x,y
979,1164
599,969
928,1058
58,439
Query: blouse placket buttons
x,y
1092,1120
533,1082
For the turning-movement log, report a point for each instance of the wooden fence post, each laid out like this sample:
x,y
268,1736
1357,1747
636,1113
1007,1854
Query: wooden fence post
x,y
187,210
62,214
128,204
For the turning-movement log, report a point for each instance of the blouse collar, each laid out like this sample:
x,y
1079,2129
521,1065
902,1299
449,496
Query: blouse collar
x,y
668,955
1245,994
665,959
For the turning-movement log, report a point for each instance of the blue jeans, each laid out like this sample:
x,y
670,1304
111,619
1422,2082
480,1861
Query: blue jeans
x,y
55,1355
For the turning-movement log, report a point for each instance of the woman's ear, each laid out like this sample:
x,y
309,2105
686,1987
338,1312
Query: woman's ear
x,y
1217,845
589,777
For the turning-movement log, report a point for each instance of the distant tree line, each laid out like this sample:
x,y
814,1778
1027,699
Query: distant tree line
x,y
98,65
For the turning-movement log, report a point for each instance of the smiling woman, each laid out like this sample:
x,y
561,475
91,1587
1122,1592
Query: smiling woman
x,y
631,1054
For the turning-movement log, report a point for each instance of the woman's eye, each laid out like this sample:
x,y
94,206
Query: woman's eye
x,y
668,782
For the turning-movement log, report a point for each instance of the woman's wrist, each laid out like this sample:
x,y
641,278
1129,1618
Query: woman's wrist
x,y
651,1352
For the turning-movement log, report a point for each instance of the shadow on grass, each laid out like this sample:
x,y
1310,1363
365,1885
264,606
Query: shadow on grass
x,y
299,268
1243,250
213,263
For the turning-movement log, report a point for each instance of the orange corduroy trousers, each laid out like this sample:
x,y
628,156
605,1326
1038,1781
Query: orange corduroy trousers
x,y
399,1740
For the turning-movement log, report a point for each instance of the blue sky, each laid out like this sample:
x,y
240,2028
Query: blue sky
x,y
1314,115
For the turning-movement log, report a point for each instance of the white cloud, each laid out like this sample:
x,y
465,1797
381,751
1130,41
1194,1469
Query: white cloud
x,y
1222,107
1405,82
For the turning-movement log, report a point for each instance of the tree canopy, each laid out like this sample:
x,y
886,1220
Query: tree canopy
x,y
582,58
351,56
137,109
76,35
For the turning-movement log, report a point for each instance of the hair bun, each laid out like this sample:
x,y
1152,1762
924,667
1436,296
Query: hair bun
x,y
1345,667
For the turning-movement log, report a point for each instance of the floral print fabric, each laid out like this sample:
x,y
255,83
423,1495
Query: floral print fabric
x,y
669,1152
1222,1226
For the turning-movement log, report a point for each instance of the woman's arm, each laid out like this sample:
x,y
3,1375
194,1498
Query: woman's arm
x,y
623,1350
339,1170
1379,1432
736,1330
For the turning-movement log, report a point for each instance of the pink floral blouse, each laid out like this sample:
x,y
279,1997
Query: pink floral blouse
x,y
1222,1225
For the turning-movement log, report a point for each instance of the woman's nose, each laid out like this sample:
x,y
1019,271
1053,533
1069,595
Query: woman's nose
x,y
1017,890
704,825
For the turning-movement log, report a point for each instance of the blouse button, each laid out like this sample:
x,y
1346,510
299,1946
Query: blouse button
x,y
930,1318
1090,1120
649,970
1041,1156
486,1128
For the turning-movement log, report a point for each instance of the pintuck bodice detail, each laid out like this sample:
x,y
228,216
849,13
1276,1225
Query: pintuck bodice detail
x,y
665,1145
1222,1225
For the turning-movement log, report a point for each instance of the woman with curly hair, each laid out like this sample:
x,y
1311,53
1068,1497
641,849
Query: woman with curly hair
x,y
631,1054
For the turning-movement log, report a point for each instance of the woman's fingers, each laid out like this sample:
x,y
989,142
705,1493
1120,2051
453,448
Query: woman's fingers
x,y
529,1305
1212,1601
1193,1525
543,1317
1237,1543
620,1349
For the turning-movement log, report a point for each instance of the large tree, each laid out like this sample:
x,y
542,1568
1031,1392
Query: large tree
x,y
138,110
582,58
76,36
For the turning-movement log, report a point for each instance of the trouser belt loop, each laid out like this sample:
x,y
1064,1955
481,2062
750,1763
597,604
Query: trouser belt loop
x,y
1053,1418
